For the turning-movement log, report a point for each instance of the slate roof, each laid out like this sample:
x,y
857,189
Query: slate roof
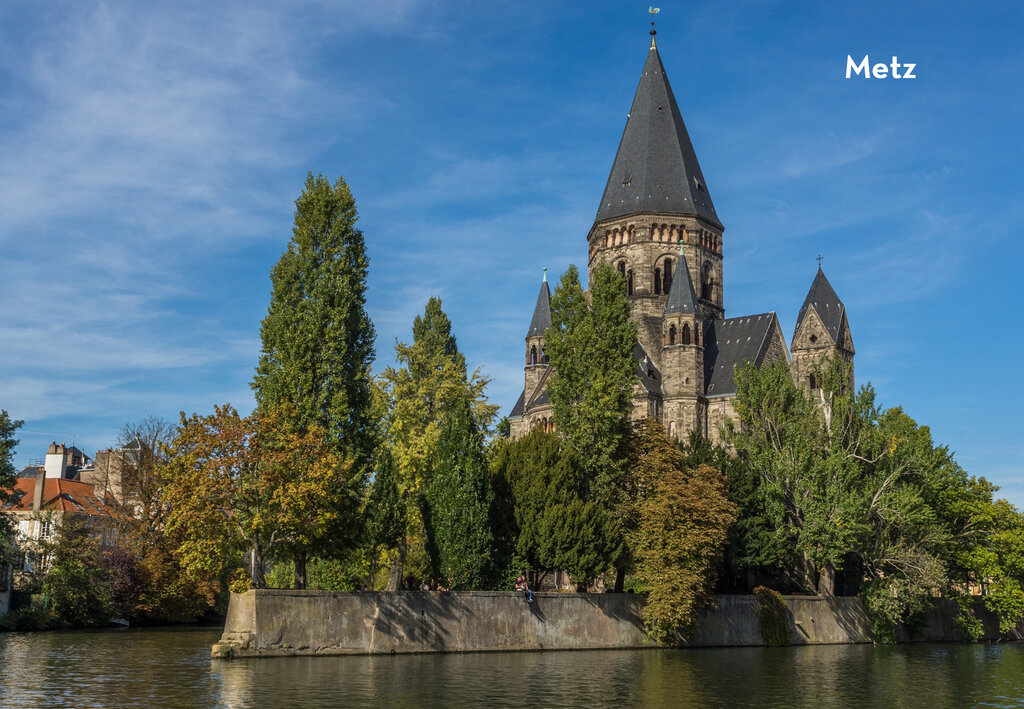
x,y
728,344
655,168
682,298
517,410
30,471
541,320
824,299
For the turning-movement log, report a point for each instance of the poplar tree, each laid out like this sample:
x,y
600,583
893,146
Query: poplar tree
x,y
429,382
590,347
318,339
458,504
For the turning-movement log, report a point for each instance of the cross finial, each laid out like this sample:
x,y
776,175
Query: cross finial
x,y
819,261
545,274
654,11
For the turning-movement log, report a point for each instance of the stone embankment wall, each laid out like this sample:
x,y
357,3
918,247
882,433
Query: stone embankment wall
x,y
276,622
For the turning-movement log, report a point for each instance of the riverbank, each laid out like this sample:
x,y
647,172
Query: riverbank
x,y
269,622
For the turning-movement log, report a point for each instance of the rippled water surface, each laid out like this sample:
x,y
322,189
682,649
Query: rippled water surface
x,y
164,668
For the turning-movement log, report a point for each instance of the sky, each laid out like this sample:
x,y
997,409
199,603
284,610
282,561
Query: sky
x,y
151,154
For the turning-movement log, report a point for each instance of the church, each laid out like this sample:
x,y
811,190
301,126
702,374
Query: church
x,y
656,225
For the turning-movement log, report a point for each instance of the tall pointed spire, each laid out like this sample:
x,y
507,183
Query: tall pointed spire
x,y
655,169
822,297
541,320
682,298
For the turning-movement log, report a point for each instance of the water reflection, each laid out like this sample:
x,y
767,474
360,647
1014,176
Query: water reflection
x,y
172,668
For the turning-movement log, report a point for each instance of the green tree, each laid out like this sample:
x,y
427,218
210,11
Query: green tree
x,y
8,476
75,582
428,383
554,525
458,503
317,340
385,514
590,347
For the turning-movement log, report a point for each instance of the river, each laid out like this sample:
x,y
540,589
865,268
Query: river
x,y
172,668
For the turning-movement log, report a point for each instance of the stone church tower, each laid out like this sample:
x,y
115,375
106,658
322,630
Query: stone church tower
x,y
656,224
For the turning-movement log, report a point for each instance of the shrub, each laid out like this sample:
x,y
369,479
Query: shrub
x,y
772,616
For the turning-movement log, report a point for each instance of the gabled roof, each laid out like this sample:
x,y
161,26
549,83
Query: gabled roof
x,y
729,344
541,320
61,495
682,298
646,371
827,304
655,169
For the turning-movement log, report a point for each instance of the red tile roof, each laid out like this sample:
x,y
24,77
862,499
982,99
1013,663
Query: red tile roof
x,y
63,495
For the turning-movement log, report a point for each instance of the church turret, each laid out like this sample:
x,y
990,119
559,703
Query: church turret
x,y
536,360
822,331
656,199
682,355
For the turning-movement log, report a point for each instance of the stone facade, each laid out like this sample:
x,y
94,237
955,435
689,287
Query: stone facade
x,y
657,226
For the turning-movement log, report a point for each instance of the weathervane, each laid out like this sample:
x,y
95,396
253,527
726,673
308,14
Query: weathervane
x,y
654,11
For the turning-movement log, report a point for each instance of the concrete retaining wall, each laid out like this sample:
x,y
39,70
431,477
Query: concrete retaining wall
x,y
276,622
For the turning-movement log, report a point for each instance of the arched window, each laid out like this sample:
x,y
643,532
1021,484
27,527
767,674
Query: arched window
x,y
533,354
667,284
696,334
657,281
706,282
686,333
543,356
672,334
629,282
811,382
622,268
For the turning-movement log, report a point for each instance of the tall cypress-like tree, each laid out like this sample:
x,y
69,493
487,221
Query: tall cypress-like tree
x,y
429,382
590,347
317,337
458,504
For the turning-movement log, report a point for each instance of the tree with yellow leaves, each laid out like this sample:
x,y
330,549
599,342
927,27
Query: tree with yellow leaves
x,y
254,485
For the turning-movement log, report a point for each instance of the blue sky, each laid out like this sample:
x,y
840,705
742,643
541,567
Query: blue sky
x,y
150,155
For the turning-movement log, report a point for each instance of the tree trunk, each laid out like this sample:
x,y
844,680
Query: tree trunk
x,y
804,574
827,580
300,568
398,568
256,567
620,580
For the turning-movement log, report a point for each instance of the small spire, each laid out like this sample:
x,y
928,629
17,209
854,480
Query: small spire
x,y
545,275
654,11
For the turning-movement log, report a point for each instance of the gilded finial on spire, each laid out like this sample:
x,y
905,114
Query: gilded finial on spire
x,y
654,11
545,274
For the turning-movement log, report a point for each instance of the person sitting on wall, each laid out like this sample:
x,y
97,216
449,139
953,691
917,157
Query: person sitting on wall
x,y
425,586
521,585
